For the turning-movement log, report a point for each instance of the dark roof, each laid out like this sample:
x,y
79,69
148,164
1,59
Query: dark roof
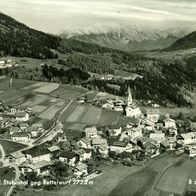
x,y
20,114
20,134
36,151
68,155
119,144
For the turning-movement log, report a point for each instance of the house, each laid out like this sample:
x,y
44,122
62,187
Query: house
x,y
115,130
148,123
38,126
193,126
83,154
85,143
70,158
59,127
132,133
91,132
40,168
103,150
22,116
169,123
121,146
23,126
20,137
16,157
187,138
81,169
158,137
153,114
167,144
118,108
53,150
98,142
159,125
190,150
33,132
108,106
37,154
14,130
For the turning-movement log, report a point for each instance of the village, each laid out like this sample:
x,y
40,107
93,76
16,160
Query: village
x,y
142,137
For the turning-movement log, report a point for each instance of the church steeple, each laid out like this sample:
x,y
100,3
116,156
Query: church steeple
x,y
130,100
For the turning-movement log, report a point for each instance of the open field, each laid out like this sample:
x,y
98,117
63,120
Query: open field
x,y
175,179
69,92
47,88
10,146
6,174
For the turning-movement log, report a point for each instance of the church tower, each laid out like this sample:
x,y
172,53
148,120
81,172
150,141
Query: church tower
x,y
130,100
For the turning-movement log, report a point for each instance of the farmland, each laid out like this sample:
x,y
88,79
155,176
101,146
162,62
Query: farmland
x,y
5,174
10,146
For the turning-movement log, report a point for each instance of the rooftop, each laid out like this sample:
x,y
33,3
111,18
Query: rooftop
x,y
68,155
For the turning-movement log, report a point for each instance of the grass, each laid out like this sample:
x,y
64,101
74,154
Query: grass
x,y
174,180
11,147
69,92
5,174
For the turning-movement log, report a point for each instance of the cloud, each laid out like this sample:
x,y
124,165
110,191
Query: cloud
x,y
54,15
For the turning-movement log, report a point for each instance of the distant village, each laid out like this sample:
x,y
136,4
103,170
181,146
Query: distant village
x,y
141,136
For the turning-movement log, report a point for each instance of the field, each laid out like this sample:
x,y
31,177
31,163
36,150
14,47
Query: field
x,y
174,180
47,88
69,92
11,147
5,174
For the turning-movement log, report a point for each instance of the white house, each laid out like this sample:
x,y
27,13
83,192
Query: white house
x,y
115,130
190,150
91,132
187,138
40,168
107,106
120,147
85,143
169,123
22,116
20,137
81,169
103,149
132,133
98,142
153,114
70,158
83,154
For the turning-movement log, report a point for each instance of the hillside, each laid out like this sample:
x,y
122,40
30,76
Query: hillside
x,y
187,42
17,39
130,38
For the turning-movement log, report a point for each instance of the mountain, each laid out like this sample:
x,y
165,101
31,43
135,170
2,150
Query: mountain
x,y
130,38
17,39
187,42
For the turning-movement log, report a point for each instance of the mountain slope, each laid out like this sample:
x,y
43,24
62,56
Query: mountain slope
x,y
17,39
131,38
187,42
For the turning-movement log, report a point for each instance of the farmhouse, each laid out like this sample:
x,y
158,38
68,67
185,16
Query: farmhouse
x,y
153,114
71,158
169,123
187,138
83,154
14,130
23,126
190,150
81,169
98,142
120,147
85,143
22,116
115,130
91,132
103,149
40,168
16,157
53,150
20,137
132,133
37,154
107,106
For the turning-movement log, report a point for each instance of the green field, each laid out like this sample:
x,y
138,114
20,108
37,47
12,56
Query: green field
x,y
5,174
10,146
69,92
175,179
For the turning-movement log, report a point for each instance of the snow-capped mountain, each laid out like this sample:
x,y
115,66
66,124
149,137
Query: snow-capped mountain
x,y
129,38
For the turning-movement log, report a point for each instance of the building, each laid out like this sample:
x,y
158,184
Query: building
x,y
190,150
20,137
103,150
120,147
14,130
187,138
169,123
132,110
83,154
22,116
158,137
96,142
153,114
70,158
54,150
108,106
85,143
16,157
91,132
40,168
115,130
132,133
23,126
38,154
81,170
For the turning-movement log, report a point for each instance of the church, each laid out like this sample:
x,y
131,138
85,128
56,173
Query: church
x,y
132,109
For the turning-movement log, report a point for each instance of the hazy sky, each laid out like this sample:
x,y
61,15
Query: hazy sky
x,y
56,15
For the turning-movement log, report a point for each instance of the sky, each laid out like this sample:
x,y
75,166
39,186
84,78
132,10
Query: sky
x,y
55,16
